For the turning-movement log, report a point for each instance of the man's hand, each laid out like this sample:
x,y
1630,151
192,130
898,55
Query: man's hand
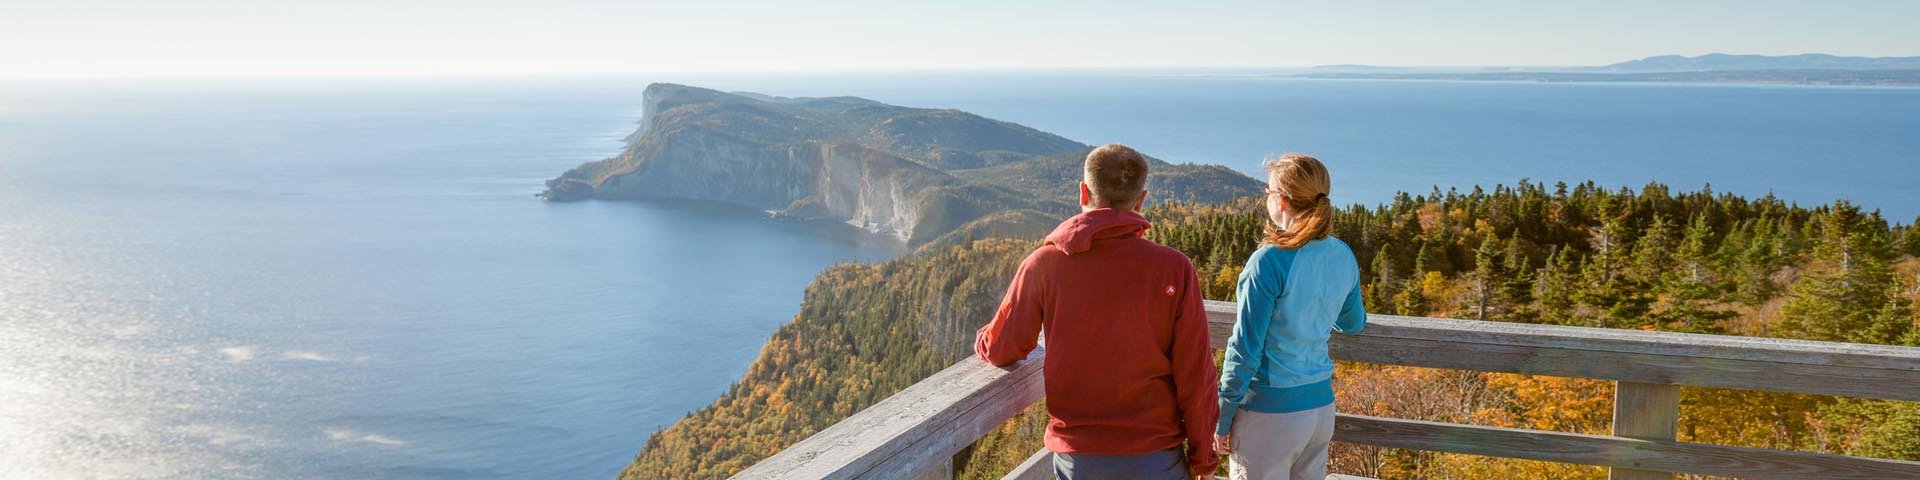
x,y
1199,474
1223,443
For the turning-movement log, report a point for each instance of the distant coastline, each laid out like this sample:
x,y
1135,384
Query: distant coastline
x,y
1866,78
1804,69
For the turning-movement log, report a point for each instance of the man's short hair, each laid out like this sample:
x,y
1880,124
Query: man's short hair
x,y
1116,174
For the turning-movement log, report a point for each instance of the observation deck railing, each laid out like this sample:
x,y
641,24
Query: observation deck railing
x,y
915,433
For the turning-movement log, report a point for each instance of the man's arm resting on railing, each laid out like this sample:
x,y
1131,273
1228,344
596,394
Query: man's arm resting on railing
x,y
1015,329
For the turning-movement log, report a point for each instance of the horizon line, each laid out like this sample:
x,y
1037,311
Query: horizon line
x,y
711,71
483,73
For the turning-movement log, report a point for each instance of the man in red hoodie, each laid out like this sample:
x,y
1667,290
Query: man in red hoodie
x,y
1129,369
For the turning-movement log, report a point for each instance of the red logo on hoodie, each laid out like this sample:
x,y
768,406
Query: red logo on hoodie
x,y
1169,290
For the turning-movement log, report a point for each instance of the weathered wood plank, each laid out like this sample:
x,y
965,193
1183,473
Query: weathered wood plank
x,y
1830,368
1220,314
940,471
1038,466
1634,367
1648,412
1610,451
915,430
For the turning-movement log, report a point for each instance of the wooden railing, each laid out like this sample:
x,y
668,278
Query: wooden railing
x,y
916,433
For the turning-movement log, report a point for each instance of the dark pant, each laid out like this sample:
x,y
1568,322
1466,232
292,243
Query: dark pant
x,y
1161,465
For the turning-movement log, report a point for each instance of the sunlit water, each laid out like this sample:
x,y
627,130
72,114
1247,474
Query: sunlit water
x,y
360,285
351,279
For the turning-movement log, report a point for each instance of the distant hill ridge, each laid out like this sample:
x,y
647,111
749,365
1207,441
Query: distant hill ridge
x,y
917,174
1722,61
1803,69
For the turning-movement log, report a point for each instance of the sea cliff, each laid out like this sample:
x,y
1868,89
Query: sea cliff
x,y
914,174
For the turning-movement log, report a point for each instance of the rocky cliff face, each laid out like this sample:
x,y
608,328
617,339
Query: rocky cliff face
x,y
860,186
868,189
874,166
706,165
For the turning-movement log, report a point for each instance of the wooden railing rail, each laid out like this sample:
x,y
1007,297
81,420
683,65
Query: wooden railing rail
x,y
915,433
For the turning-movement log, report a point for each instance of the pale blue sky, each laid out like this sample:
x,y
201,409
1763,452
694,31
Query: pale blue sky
x,y
93,38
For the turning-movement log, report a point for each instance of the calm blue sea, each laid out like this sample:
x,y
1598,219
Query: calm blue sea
x,y
351,278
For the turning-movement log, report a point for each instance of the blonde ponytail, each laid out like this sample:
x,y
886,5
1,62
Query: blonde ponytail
x,y
1303,182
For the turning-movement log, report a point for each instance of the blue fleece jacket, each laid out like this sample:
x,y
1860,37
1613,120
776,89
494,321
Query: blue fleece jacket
x,y
1291,300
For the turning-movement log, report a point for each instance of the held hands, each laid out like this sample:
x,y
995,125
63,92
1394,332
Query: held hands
x,y
1222,444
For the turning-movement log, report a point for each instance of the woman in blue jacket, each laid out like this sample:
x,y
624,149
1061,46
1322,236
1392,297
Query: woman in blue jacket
x,y
1276,385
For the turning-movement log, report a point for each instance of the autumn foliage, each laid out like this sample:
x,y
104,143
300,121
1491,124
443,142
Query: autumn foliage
x,y
1579,255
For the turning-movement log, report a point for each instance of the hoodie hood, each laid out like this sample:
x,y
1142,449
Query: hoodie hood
x,y
1078,233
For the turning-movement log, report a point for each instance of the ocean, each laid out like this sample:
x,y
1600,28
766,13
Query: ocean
x,y
351,278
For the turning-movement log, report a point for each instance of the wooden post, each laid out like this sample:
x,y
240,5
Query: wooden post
x,y
1038,466
943,471
1645,411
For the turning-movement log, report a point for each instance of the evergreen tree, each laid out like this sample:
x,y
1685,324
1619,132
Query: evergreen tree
x,y
1614,297
1412,299
1853,272
1420,265
1692,258
1688,287
1873,428
1516,288
1555,288
1219,283
1610,250
1653,254
1910,238
1758,258
1486,275
1386,281
1893,323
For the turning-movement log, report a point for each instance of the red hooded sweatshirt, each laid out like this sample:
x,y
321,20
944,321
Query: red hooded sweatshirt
x,y
1129,368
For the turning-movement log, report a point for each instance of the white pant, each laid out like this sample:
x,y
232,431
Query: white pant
x,y
1280,446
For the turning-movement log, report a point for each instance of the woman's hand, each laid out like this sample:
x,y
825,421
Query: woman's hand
x,y
1222,443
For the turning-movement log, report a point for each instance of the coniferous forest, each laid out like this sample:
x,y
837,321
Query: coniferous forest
x,y
1583,255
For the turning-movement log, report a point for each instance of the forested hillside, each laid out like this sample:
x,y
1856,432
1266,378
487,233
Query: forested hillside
x,y
863,333
1571,255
